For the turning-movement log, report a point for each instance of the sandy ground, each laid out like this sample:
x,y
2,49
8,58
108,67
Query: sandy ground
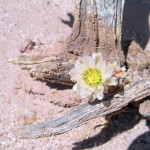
x,y
40,21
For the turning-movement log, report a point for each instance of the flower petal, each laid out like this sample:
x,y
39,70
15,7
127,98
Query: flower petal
x,y
82,91
97,57
99,93
78,64
74,75
89,62
85,93
101,65
123,68
76,87
107,73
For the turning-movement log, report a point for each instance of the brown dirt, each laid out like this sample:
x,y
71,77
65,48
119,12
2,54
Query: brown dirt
x,y
40,22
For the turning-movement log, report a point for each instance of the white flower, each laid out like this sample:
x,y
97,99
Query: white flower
x,y
92,76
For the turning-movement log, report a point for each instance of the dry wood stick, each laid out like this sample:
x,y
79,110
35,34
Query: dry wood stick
x,y
83,113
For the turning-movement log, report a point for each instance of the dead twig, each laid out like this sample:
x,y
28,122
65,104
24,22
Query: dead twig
x,y
83,113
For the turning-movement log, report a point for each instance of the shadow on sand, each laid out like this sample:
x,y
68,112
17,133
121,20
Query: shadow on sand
x,y
120,123
135,23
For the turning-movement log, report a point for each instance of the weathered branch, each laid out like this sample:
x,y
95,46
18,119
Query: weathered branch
x,y
53,69
81,114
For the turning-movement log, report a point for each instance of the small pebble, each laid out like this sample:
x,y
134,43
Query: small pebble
x,y
17,84
28,118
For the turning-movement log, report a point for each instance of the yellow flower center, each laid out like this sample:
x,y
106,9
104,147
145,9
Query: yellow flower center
x,y
92,77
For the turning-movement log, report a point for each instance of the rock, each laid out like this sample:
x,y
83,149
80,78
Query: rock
x,y
138,60
29,45
144,109
28,118
17,84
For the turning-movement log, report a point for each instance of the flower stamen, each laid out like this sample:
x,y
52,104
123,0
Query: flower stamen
x,y
92,77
